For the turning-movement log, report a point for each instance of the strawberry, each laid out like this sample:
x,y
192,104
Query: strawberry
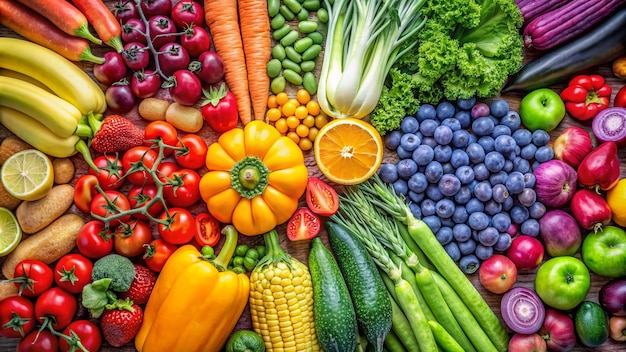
x,y
120,322
141,286
115,134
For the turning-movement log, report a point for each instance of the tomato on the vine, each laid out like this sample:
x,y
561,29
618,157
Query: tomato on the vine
x,y
184,188
165,169
17,316
73,272
131,238
303,225
38,341
88,333
137,156
32,277
119,203
141,195
93,241
157,253
55,308
321,198
187,13
179,226
208,233
194,154
110,171
163,131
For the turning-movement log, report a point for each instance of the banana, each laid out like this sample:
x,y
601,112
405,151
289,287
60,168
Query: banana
x,y
62,76
56,114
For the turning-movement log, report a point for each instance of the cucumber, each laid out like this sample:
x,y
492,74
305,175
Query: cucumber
x,y
369,294
335,320
592,324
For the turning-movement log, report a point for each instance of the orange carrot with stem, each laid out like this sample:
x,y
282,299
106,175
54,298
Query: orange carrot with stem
x,y
64,15
257,46
103,21
222,18
34,27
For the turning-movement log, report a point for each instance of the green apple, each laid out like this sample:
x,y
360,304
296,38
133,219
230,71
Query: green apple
x,y
604,252
542,109
562,282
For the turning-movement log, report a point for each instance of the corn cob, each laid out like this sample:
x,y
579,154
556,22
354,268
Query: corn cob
x,y
281,301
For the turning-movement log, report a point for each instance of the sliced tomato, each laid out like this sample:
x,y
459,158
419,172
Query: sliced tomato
x,y
303,225
208,233
321,198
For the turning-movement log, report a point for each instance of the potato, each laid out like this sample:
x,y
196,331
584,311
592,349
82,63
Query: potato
x,y
7,200
153,109
7,289
63,170
35,215
47,245
11,145
185,118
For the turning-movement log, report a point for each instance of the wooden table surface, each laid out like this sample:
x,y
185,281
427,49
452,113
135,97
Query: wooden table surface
x,y
300,249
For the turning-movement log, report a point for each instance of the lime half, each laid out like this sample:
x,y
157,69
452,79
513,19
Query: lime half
x,y
27,175
10,232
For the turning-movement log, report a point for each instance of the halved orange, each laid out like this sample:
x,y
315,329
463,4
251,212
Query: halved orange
x,y
348,151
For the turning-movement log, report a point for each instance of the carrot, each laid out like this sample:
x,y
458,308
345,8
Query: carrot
x,y
36,28
222,18
103,21
255,34
63,15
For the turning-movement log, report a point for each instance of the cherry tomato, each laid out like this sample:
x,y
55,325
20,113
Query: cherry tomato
x,y
132,237
84,191
100,206
303,225
139,196
497,274
162,30
173,57
38,341
17,316
73,272
526,252
186,88
88,333
145,84
161,131
136,56
179,227
136,156
183,189
321,198
187,13
133,31
111,171
93,241
112,69
194,154
165,169
156,7
56,308
157,253
208,233
32,277
196,40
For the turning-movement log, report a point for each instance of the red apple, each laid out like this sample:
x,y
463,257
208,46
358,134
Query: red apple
x,y
527,343
558,331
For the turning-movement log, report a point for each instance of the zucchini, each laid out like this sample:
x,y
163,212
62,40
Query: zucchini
x,y
604,43
335,320
369,294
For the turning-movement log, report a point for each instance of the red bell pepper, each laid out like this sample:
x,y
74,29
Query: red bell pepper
x,y
84,191
620,98
219,109
600,169
585,96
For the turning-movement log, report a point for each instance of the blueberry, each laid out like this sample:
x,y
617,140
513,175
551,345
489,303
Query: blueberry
x,y
527,197
504,242
426,112
406,168
427,127
388,172
465,174
428,207
448,168
520,164
453,123
447,222
540,138
444,235
515,182
537,210
508,166
400,187
449,185
469,264
481,172
494,161
511,120
501,221
416,198
433,192
498,177
415,210
472,139
519,214
499,193
433,222
443,135
528,152
529,180
466,104
522,137
429,141
461,232
443,153
508,204
410,141
483,191
483,126
459,158
499,108
467,247
478,220
453,251
463,195
392,139
483,252
488,236
464,118
423,155
530,227
492,207
544,153
460,214
504,144
433,171
487,142
475,152
445,110
460,138
409,124
474,206
417,183
501,130
403,153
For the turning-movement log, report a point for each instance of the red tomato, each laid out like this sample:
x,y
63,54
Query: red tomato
x,y
208,233
303,225
321,198
157,253
93,241
165,169
183,189
186,13
72,272
39,341
55,307
195,40
186,89
88,333
526,252
140,196
134,156
17,316
109,204
193,155
111,171
161,131
179,226
132,237
32,277
497,274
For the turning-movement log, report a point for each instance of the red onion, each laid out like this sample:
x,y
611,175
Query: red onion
x,y
555,183
560,233
610,125
522,310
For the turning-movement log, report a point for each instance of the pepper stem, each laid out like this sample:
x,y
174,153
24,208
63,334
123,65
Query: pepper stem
x,y
249,177
228,249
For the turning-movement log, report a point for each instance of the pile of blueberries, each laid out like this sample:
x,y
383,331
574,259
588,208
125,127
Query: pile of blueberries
x,y
465,169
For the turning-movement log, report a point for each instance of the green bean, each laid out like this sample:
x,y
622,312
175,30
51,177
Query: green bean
x,y
309,82
278,52
392,343
289,38
409,276
407,300
312,52
277,22
292,77
293,55
399,323
290,65
281,32
273,68
443,338
272,7
404,233
285,11
278,85
307,26
307,66
302,44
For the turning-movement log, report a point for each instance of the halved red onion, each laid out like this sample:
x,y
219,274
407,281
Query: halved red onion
x,y
610,125
522,310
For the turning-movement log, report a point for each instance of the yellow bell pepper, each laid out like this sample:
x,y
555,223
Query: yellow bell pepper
x,y
255,178
616,198
195,304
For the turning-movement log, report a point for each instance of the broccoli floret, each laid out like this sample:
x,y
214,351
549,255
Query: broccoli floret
x,y
118,268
